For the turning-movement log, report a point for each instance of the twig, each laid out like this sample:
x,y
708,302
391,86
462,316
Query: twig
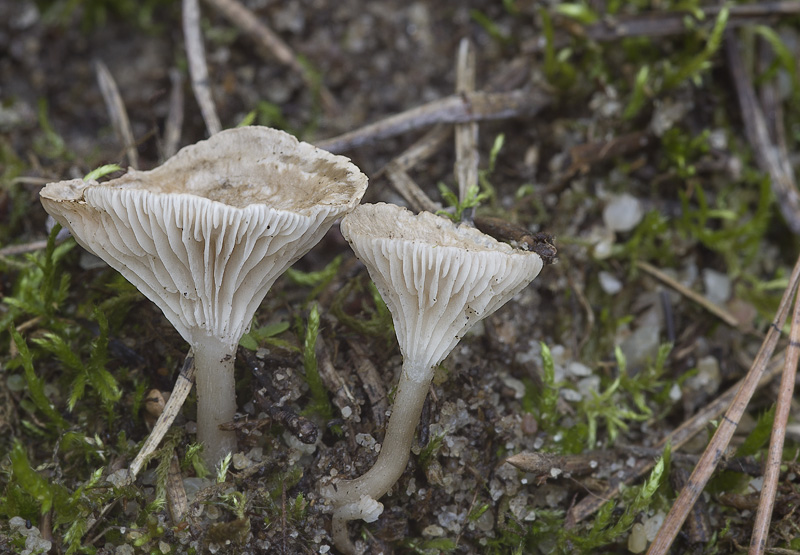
x,y
172,127
127,476
676,439
662,24
714,309
117,112
33,246
183,386
727,426
466,169
249,22
198,70
371,381
772,468
178,504
475,106
770,158
409,189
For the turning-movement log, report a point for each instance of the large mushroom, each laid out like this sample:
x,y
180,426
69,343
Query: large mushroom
x,y
205,235
438,280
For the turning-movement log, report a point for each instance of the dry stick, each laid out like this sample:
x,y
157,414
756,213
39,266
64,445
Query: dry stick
x,y
661,24
466,169
475,106
117,112
770,158
727,426
676,439
179,393
172,127
198,70
183,385
248,22
409,190
714,309
772,470
12,250
176,492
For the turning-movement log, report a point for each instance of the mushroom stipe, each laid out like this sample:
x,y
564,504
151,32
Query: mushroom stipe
x,y
438,280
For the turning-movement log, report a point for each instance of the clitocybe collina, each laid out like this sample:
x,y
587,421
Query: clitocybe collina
x,y
438,280
205,235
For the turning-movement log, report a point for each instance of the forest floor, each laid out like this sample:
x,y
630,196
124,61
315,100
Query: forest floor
x,y
653,140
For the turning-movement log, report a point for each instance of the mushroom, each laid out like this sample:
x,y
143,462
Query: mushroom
x,y
205,235
438,280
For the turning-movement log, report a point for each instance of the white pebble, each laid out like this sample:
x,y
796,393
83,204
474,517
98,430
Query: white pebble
x,y
609,283
623,213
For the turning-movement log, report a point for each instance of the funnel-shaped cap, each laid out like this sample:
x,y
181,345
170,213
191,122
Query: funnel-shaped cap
x,y
438,279
205,235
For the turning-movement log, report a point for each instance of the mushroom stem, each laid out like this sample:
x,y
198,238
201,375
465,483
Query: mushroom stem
x,y
357,498
216,397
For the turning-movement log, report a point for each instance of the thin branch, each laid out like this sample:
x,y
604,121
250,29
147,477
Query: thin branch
x,y
676,439
772,469
252,26
714,309
663,24
727,426
770,158
183,386
409,190
117,112
198,70
466,169
476,106
172,127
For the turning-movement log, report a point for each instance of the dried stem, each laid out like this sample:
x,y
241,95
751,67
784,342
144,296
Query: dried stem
x,y
195,52
466,169
772,469
727,426
770,158
251,25
117,112
476,106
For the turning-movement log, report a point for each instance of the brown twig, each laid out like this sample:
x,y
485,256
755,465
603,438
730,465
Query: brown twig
x,y
172,127
772,468
117,112
769,157
198,70
409,190
662,24
466,169
183,385
676,439
475,106
371,382
714,309
727,426
252,26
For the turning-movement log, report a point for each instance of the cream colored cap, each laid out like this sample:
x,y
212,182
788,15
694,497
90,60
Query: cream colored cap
x,y
206,234
438,279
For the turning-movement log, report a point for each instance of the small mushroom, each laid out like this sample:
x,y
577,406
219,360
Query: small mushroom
x,y
438,280
206,234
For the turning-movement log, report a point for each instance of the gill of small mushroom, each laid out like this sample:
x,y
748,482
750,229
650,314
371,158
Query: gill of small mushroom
x,y
438,280
205,235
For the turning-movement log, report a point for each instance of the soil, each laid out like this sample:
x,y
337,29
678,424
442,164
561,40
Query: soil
x,y
635,194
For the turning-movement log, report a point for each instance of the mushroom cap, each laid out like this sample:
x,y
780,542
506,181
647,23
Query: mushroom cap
x,y
437,278
206,234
